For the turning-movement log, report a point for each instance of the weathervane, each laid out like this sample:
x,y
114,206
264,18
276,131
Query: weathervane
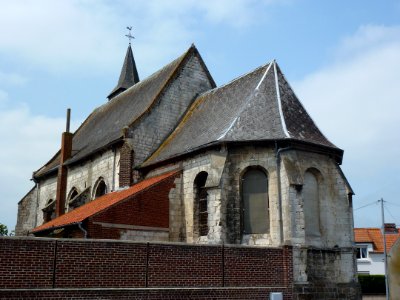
x,y
129,35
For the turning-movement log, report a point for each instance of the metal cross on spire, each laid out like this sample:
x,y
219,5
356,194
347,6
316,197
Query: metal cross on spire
x,y
129,35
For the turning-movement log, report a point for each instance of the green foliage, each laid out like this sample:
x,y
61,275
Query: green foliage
x,y
372,284
3,230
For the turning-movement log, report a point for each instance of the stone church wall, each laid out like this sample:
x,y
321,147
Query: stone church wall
x,y
47,191
105,166
239,160
80,176
26,213
335,211
164,116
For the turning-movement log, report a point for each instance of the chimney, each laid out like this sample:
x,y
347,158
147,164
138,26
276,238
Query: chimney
x,y
391,228
66,151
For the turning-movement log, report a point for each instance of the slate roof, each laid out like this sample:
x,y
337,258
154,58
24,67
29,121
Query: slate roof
x,y
374,236
129,74
102,203
104,125
259,106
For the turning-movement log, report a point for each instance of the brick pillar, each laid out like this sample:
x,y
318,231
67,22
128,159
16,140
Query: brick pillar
x,y
66,151
125,166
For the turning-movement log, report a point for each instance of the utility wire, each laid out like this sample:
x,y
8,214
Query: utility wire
x,y
391,203
388,211
375,202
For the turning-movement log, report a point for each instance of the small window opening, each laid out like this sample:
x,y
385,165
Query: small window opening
x,y
101,189
201,203
362,252
49,211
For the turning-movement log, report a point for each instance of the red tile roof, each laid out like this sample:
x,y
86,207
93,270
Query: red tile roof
x,y
89,209
374,236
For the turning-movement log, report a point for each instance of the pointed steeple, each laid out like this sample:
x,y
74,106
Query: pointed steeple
x,y
129,74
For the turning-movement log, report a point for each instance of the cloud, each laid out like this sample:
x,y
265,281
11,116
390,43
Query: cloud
x,y
355,101
62,35
28,142
12,79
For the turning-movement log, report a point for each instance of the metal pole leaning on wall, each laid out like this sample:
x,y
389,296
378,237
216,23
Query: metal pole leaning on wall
x,y
54,264
223,264
384,249
147,265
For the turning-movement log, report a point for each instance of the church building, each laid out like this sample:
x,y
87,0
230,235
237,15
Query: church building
x,y
174,158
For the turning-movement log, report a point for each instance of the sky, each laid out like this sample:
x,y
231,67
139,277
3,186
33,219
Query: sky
x,y
342,59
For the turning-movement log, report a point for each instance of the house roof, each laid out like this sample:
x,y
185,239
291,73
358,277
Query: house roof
x,y
129,74
100,204
374,236
105,124
258,106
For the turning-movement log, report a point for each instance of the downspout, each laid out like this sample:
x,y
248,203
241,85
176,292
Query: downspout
x,y
83,230
37,203
278,152
113,170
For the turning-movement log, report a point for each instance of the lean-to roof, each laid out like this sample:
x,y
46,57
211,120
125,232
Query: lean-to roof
x,y
102,203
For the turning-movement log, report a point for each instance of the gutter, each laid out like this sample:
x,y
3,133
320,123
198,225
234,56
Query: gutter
x,y
55,227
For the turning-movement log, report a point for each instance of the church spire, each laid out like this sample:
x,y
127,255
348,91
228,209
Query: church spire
x,y
129,74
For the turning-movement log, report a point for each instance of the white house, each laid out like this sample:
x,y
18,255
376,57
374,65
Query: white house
x,y
370,249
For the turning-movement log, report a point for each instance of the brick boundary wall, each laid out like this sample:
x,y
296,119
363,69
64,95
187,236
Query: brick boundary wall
x,y
63,268
149,293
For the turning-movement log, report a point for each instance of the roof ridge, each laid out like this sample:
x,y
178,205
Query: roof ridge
x,y
225,85
245,104
278,98
195,104
301,104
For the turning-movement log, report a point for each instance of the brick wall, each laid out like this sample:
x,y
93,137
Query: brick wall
x,y
150,208
185,265
125,166
256,268
150,294
28,263
99,264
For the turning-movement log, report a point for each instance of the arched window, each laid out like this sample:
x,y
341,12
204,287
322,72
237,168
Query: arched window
x,y
72,194
311,204
255,203
200,204
49,211
100,188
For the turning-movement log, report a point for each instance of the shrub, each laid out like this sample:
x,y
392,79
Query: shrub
x,y
372,284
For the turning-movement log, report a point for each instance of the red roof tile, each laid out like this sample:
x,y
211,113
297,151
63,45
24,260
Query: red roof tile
x,y
89,209
374,236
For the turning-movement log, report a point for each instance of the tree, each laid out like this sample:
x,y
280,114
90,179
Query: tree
x,y
3,230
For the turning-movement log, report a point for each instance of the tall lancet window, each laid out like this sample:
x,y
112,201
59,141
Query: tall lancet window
x,y
200,204
255,203
311,195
